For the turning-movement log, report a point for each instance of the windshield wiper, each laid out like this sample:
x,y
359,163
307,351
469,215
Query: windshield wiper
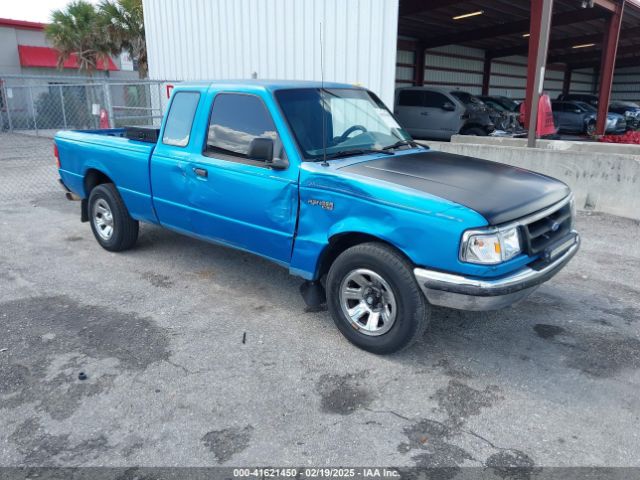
x,y
353,153
399,144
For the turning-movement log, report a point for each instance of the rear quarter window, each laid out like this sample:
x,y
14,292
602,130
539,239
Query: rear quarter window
x,y
177,130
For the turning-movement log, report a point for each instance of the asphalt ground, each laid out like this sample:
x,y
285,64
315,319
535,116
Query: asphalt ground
x,y
198,355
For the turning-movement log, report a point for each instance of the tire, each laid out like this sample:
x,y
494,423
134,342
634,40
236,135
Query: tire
x,y
591,129
111,223
475,131
402,309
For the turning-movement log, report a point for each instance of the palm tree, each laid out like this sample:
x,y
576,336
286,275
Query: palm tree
x,y
77,30
123,23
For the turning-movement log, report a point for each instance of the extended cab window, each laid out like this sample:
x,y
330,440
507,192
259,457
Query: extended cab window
x,y
180,118
236,120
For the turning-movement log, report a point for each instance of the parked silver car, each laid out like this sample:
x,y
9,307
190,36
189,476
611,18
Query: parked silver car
x,y
580,117
438,114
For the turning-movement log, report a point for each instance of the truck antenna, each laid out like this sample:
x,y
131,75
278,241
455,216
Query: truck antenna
x,y
323,99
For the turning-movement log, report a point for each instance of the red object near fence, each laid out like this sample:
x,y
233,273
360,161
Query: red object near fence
x,y
104,119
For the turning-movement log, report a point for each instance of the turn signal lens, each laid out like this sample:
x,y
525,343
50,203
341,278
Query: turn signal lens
x,y
56,155
483,249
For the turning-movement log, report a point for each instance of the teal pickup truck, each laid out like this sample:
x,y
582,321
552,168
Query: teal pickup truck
x,y
322,180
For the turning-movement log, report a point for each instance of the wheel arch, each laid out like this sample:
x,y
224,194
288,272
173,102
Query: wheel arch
x,y
340,242
92,178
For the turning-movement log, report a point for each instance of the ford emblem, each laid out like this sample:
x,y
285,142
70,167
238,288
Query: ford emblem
x,y
555,227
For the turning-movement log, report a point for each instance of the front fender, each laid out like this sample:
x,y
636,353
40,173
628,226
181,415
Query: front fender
x,y
427,238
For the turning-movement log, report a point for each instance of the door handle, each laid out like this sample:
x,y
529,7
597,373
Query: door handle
x,y
201,172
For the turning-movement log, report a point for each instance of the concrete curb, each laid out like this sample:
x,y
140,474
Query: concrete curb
x,y
603,177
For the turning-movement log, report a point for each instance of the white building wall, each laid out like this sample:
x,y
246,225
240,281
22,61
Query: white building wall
x,y
460,67
626,84
404,72
509,77
455,67
583,81
227,39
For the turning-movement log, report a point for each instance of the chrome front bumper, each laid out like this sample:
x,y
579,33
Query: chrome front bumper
x,y
477,294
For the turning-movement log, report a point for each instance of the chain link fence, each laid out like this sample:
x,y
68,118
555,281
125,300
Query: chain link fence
x,y
29,172
34,108
43,105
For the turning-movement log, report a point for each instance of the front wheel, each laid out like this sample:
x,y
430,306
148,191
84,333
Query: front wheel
x,y
111,223
374,299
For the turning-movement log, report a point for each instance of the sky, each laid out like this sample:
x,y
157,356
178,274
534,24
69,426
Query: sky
x,y
32,10
39,10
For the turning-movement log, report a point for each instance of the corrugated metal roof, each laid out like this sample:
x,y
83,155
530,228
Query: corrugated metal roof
x,y
502,27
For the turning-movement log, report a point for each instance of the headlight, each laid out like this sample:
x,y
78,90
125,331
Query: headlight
x,y
490,247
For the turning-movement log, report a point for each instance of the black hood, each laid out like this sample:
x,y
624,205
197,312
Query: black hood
x,y
500,193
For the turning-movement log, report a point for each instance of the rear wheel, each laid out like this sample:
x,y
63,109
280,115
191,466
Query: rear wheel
x,y
111,223
591,128
374,299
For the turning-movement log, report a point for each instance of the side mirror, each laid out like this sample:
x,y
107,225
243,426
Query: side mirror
x,y
261,149
448,107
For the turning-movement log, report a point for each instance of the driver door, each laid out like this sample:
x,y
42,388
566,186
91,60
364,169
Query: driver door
x,y
240,201
411,113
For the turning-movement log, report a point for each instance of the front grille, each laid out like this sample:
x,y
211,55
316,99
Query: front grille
x,y
543,232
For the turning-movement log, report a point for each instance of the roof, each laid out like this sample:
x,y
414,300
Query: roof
x,y
22,24
47,57
266,84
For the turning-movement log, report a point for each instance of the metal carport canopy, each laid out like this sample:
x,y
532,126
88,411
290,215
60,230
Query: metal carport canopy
x,y
504,27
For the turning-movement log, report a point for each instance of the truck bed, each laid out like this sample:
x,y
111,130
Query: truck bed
x,y
124,161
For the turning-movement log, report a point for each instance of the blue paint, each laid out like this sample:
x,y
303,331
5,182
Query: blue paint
x,y
264,211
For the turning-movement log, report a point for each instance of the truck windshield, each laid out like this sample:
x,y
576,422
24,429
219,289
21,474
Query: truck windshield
x,y
355,122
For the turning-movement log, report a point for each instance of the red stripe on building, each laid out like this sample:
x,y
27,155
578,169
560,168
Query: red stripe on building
x,y
46,57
